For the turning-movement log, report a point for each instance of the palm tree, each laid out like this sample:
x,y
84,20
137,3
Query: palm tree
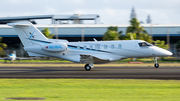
x,y
135,28
111,35
130,36
47,33
2,47
145,37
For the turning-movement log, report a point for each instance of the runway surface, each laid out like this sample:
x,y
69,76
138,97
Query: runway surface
x,y
95,73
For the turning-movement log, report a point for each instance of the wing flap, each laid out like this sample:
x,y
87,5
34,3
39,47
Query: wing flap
x,y
85,59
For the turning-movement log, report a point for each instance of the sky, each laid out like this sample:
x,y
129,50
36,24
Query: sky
x,y
110,11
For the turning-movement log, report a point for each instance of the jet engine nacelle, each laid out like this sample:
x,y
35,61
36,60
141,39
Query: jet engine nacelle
x,y
55,47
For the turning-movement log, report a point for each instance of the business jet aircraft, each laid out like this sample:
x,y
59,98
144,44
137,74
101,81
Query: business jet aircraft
x,y
89,53
13,57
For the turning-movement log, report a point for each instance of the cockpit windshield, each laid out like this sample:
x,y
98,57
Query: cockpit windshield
x,y
144,44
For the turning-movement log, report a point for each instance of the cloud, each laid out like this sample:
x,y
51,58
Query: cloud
x,y
50,10
18,1
110,11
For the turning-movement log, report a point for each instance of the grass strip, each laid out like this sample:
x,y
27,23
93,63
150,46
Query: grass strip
x,y
91,89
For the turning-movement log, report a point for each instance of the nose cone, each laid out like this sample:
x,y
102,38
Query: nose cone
x,y
167,53
162,52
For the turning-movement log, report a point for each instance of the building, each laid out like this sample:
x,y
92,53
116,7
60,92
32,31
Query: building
x,y
80,31
56,19
75,32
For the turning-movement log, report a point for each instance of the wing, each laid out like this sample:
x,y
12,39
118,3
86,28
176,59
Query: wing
x,y
24,58
92,59
99,58
4,59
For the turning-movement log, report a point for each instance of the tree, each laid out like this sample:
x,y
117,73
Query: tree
x,y
135,28
130,36
145,37
113,28
161,44
112,33
47,33
2,47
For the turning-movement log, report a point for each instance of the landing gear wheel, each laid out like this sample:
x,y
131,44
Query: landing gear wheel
x,y
87,67
156,65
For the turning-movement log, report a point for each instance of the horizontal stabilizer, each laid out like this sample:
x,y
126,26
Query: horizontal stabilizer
x,y
18,25
3,58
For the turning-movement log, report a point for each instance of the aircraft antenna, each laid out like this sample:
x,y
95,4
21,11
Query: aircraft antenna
x,y
94,39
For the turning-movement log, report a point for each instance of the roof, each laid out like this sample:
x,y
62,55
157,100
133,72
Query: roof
x,y
101,25
55,17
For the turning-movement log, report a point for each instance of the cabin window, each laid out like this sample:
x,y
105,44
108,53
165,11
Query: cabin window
x,y
105,46
91,47
78,47
112,46
97,47
84,47
144,44
119,46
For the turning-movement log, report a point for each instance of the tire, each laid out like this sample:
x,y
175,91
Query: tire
x,y
156,65
87,67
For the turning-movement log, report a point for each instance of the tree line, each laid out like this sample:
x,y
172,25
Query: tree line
x,y
133,32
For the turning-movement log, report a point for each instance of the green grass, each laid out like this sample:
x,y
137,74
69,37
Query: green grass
x,y
91,89
48,61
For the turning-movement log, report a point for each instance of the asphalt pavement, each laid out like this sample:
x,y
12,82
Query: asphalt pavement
x,y
95,73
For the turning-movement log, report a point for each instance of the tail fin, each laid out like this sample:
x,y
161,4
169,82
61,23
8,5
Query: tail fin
x,y
28,34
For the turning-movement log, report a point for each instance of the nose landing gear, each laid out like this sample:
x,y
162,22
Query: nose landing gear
x,y
156,65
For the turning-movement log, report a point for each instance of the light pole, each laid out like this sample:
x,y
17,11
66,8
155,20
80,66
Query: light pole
x,y
168,39
151,34
82,34
56,30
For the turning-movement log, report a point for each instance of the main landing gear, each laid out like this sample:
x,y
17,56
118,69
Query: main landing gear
x,y
88,67
156,65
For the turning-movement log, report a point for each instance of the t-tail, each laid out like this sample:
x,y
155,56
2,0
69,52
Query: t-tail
x,y
34,42
28,34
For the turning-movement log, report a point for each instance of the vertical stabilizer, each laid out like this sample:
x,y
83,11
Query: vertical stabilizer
x,y
28,34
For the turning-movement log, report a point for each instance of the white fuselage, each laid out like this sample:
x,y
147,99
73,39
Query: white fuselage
x,y
110,50
12,57
89,53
